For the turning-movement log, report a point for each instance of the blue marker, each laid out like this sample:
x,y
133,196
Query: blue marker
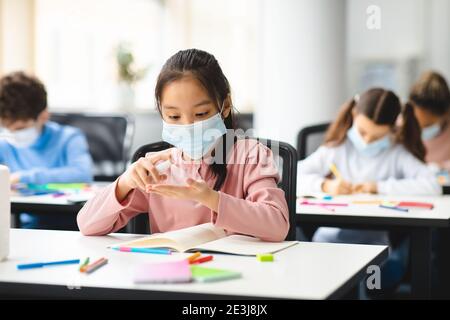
x,y
45,264
143,250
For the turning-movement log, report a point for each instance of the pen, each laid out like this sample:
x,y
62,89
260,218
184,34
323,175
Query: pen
x,y
45,264
393,208
335,171
143,250
58,194
328,204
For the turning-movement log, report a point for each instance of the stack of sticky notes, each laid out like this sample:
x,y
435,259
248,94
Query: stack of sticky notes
x,y
180,271
164,272
202,274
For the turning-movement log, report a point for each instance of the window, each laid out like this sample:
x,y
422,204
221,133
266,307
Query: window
x,y
75,49
75,45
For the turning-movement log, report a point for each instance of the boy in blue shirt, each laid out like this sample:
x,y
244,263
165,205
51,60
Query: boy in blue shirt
x,y
35,149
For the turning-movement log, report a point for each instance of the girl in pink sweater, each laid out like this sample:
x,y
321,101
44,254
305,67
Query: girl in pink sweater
x,y
212,177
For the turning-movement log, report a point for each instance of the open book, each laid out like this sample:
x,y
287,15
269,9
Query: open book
x,y
207,237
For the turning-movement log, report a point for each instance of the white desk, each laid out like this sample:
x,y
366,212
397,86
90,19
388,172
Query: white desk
x,y
49,204
49,199
418,223
304,271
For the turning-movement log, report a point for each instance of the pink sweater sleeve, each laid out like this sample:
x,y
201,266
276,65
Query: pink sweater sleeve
x,y
263,212
103,214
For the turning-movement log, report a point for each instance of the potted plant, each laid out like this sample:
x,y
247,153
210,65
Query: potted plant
x,y
128,75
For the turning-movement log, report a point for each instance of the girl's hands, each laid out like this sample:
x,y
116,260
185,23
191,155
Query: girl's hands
x,y
339,186
367,187
336,186
141,174
196,190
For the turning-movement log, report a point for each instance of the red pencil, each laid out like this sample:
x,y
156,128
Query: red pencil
x,y
201,260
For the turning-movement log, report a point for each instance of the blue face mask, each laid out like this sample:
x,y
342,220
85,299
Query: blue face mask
x,y
368,149
431,132
195,139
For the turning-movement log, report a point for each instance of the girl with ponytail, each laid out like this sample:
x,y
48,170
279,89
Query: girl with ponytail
x,y
371,152
373,155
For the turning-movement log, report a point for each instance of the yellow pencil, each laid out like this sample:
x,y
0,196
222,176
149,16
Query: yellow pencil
x,y
335,171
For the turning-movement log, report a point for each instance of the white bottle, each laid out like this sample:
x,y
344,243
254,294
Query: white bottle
x,y
5,212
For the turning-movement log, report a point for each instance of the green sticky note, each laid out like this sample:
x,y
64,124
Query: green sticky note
x,y
57,186
203,274
266,257
68,186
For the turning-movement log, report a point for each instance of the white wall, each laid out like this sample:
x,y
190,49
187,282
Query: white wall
x,y
437,40
302,66
399,45
16,35
401,34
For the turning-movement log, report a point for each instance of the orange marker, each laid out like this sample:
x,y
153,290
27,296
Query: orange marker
x,y
193,257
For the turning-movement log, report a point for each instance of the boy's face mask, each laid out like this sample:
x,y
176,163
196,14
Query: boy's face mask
x,y
371,149
195,139
21,138
431,132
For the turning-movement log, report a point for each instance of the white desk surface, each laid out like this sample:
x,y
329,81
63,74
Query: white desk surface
x,y
441,210
60,200
304,271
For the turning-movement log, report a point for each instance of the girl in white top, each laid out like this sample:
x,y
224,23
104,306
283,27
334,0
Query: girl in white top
x,y
372,155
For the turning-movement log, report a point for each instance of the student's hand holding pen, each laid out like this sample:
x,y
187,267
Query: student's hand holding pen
x,y
141,174
367,187
336,186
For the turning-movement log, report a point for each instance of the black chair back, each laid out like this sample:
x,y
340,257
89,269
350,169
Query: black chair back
x,y
310,138
109,138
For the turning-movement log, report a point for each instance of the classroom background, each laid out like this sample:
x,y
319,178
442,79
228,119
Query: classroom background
x,y
304,57
291,65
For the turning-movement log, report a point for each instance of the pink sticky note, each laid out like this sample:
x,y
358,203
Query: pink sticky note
x,y
163,272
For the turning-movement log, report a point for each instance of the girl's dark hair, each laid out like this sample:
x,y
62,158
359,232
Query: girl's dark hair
x,y
204,67
431,93
382,107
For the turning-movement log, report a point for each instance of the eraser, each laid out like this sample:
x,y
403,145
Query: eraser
x,y
264,257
